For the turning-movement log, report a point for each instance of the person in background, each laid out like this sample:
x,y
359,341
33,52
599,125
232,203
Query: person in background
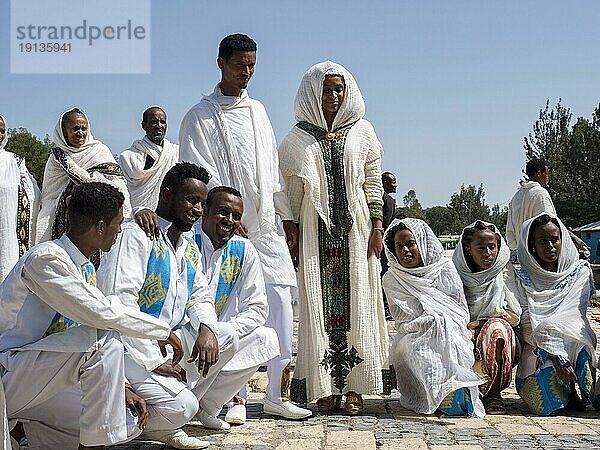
x,y
145,163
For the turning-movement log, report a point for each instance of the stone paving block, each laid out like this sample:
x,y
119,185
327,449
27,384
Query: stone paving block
x,y
405,444
464,422
300,444
305,432
456,447
350,440
563,425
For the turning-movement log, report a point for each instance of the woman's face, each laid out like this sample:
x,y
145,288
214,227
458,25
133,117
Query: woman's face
x,y
333,94
2,130
75,130
483,249
407,250
547,244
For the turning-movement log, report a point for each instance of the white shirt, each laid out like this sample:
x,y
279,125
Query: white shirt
x,y
233,139
123,272
246,309
49,279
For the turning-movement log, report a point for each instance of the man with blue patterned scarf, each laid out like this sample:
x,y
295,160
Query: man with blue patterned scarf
x,y
232,266
163,277
61,356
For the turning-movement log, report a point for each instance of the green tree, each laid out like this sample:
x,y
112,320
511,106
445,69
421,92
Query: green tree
x,y
572,154
440,219
412,207
467,206
24,144
498,217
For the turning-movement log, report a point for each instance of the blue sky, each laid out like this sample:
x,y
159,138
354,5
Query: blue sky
x,y
450,87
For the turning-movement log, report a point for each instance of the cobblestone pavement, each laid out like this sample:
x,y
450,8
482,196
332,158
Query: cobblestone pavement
x,y
385,425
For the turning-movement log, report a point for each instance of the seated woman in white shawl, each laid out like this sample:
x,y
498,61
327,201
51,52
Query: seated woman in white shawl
x,y
76,158
554,287
20,198
480,258
432,351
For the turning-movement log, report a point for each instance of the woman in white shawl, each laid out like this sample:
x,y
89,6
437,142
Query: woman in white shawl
x,y
480,258
331,163
76,158
20,198
432,351
554,287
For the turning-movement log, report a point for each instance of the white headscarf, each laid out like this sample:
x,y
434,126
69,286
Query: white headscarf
x,y
60,140
486,292
308,105
556,302
5,138
432,351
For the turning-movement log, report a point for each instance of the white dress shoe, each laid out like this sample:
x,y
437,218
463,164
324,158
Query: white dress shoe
x,y
212,422
286,409
175,439
236,414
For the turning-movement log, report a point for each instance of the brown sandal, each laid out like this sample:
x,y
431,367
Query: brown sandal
x,y
494,406
354,403
328,404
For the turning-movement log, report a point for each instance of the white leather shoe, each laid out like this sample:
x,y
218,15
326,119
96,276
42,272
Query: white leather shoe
x,y
236,414
286,409
212,422
176,439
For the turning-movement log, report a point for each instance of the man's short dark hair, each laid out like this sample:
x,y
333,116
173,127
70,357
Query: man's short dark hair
x,y
92,202
235,43
180,172
217,189
149,110
535,165
388,175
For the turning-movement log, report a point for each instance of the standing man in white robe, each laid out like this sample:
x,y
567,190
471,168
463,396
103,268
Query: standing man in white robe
x,y
71,331
531,200
232,266
230,135
145,163
160,278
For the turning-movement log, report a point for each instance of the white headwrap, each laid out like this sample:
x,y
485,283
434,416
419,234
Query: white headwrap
x,y
486,292
556,302
5,138
308,105
432,351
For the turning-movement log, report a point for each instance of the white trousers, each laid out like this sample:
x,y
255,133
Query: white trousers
x,y
168,409
219,385
32,378
281,318
4,431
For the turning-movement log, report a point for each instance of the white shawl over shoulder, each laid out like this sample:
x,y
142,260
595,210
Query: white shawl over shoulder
x,y
144,184
486,291
432,351
555,303
74,166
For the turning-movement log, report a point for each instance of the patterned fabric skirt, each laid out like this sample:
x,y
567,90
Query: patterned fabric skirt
x,y
486,363
457,403
544,392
